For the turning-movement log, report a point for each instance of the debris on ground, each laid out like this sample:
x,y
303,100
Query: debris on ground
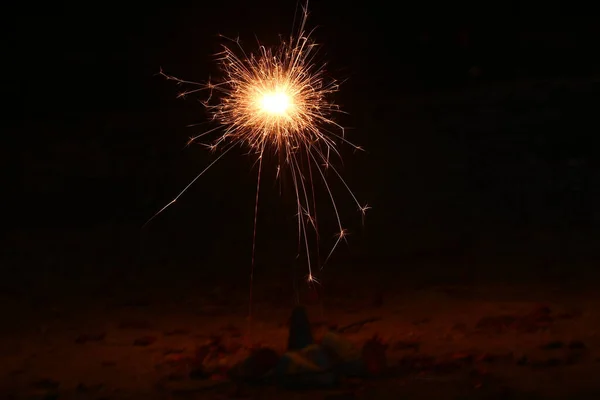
x,y
306,363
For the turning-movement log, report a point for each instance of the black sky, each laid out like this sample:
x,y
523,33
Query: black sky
x,y
472,116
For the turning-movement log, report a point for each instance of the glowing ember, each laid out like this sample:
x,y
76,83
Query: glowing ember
x,y
276,103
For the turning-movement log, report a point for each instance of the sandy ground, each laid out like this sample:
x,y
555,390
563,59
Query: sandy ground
x,y
100,340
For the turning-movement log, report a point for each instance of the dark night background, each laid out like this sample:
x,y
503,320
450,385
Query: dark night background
x,y
480,124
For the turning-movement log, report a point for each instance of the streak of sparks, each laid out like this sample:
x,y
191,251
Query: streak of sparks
x,y
277,101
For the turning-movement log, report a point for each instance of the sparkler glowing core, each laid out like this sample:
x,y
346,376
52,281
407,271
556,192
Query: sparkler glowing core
x,y
276,103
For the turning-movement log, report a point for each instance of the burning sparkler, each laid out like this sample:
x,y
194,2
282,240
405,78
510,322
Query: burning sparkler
x,y
277,101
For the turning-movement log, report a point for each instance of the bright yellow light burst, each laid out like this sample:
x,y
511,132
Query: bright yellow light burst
x,y
276,104
278,100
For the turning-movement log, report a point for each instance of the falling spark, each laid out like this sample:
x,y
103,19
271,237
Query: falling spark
x,y
277,101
